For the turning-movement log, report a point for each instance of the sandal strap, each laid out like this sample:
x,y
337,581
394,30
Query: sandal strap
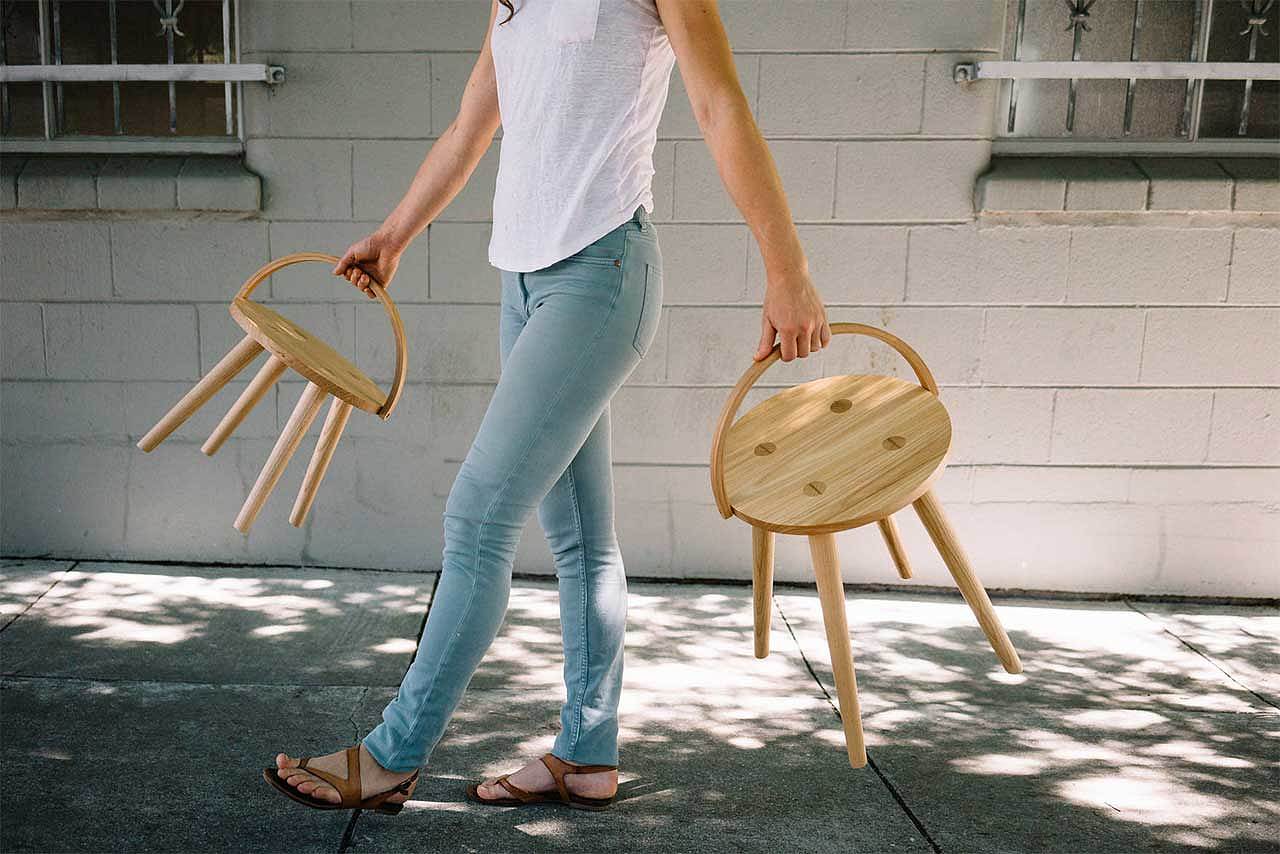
x,y
348,788
520,794
560,769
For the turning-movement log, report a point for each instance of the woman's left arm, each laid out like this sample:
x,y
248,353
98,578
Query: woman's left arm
x,y
793,309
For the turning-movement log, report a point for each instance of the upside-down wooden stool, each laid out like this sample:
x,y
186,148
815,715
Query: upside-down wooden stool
x,y
290,346
833,454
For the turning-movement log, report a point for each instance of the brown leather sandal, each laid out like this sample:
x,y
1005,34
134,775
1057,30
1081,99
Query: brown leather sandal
x,y
348,787
560,795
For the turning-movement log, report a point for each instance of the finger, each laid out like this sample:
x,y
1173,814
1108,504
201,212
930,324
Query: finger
x,y
815,339
788,347
826,333
766,339
344,263
802,344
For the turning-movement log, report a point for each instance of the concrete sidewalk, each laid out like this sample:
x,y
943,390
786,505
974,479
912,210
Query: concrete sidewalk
x,y
139,702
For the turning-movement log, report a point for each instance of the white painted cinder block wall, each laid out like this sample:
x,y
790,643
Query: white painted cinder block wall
x,y
1115,415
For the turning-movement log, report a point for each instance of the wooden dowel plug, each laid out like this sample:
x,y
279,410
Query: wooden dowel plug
x,y
334,422
826,569
944,537
254,392
889,529
230,365
303,414
762,541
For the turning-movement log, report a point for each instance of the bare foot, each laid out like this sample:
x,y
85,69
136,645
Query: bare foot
x,y
373,777
535,777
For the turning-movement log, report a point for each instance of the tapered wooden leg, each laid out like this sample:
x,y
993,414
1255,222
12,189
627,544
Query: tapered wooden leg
x,y
334,422
826,568
303,414
944,537
889,529
762,585
230,365
248,399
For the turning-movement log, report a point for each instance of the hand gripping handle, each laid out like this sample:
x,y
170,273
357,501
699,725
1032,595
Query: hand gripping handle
x,y
393,314
757,368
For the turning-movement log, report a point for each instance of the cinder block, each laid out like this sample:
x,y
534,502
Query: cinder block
x,y
847,263
61,181
451,343
664,181
914,180
50,260
333,323
1208,485
460,268
313,280
146,403
282,25
1212,346
203,261
408,427
1056,484
952,108
999,425
103,341
1131,425
456,412
1257,182
346,95
1103,184
1186,184
385,169
138,182
1255,266
1241,543
948,339
807,170
987,264
10,167
383,25
1148,265
1061,345
218,184
706,263
1021,184
682,435
21,340
44,412
879,94
39,514
677,116
308,178
1246,427
895,24
643,519
767,25
715,345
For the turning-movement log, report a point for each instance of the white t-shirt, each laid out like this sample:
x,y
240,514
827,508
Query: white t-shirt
x,y
581,86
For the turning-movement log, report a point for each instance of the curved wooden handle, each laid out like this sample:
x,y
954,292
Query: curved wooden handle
x,y
393,314
757,368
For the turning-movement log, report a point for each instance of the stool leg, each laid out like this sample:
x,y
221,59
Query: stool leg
x,y
248,399
826,568
944,537
334,422
889,529
762,585
231,364
303,414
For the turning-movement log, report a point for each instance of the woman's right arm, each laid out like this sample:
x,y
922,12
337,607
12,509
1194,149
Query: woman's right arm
x,y
443,173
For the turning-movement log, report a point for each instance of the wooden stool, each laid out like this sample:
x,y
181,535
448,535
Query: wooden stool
x,y
833,454
327,373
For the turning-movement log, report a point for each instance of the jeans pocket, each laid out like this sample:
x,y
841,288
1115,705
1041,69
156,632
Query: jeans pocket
x,y
650,309
574,21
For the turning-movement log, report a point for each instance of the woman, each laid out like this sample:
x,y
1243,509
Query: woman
x,y
578,87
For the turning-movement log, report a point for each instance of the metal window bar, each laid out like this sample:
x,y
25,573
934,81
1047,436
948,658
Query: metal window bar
x,y
52,73
1194,71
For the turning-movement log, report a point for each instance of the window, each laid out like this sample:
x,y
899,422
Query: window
x,y
1138,75
122,75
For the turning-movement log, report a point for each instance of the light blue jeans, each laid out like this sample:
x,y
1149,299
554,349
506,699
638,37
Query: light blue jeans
x,y
569,335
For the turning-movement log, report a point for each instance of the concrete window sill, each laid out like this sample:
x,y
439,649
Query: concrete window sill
x,y
1018,184
128,182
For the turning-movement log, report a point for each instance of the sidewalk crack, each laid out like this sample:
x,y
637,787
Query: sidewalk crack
x,y
62,574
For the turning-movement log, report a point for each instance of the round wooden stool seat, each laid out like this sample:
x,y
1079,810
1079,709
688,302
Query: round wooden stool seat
x,y
835,453
307,355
